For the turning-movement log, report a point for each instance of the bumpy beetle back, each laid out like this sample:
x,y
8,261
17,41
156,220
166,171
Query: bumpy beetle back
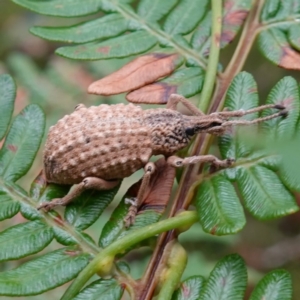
x,y
106,141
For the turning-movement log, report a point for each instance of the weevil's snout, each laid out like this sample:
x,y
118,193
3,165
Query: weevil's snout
x,y
217,127
204,124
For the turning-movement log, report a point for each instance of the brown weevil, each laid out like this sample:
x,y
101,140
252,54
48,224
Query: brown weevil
x,y
98,146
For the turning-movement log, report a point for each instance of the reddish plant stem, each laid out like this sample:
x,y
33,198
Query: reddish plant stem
x,y
201,146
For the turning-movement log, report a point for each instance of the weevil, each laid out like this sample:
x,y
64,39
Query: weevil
x,y
96,147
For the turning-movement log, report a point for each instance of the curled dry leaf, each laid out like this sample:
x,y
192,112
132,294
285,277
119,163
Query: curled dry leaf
x,y
156,93
139,72
159,189
186,81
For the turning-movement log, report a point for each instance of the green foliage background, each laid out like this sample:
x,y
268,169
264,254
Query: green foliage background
x,y
46,79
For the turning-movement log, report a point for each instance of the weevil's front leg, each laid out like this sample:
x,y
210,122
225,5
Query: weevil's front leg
x,y
136,202
87,183
175,99
177,162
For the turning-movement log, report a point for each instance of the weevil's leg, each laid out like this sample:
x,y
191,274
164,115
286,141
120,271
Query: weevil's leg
x,y
87,183
136,202
178,162
174,99
79,106
282,113
240,113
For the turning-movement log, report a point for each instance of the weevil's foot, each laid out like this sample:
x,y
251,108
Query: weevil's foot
x,y
220,164
132,201
129,220
130,217
79,106
229,162
47,206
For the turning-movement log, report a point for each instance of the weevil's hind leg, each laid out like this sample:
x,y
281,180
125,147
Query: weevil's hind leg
x,y
136,202
87,183
178,162
175,99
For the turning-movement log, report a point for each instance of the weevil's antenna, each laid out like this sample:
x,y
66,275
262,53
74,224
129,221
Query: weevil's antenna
x,y
282,113
240,113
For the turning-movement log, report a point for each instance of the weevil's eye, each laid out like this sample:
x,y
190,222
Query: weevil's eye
x,y
213,124
190,131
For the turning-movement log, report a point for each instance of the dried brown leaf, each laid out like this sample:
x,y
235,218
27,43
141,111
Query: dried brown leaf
x,y
156,93
139,72
159,189
38,186
290,59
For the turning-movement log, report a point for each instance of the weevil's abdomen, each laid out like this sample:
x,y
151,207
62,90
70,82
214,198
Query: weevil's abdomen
x,y
106,141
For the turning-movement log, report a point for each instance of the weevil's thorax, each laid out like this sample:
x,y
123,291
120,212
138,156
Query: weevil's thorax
x,y
167,130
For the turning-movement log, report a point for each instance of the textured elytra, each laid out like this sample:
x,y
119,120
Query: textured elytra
x,y
110,141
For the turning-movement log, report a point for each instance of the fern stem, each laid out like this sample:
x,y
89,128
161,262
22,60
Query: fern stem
x,y
187,184
181,220
213,59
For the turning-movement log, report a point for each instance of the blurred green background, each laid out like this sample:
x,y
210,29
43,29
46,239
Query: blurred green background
x,y
58,84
